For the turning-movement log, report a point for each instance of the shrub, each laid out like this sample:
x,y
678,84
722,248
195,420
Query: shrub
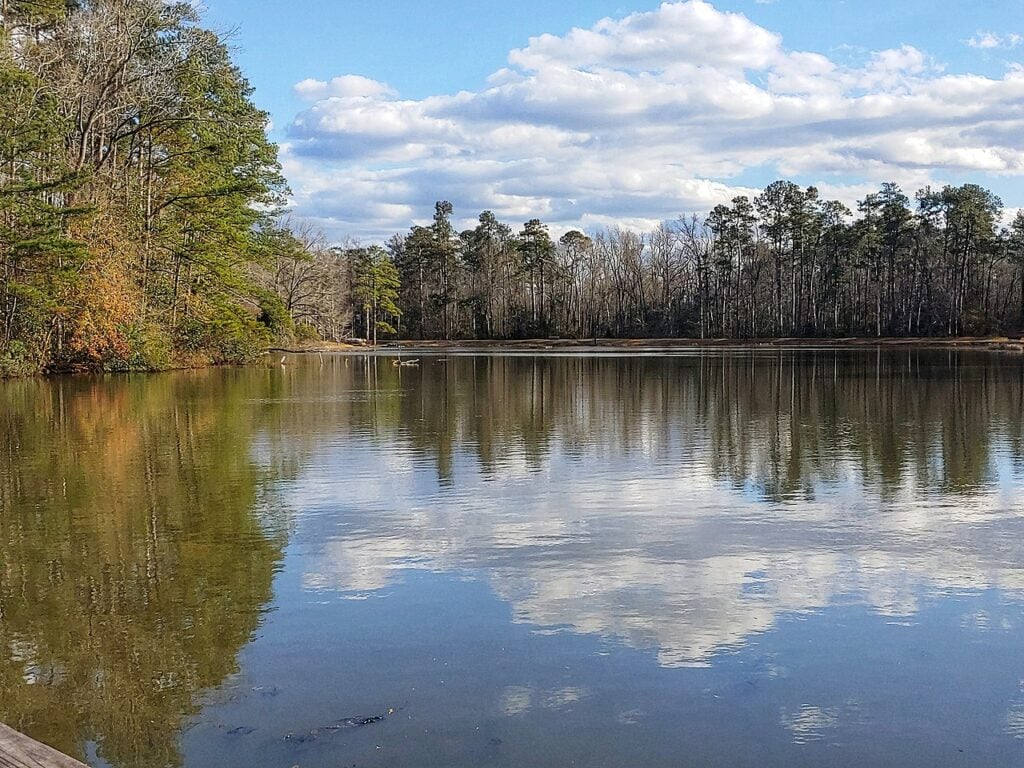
x,y
306,332
16,360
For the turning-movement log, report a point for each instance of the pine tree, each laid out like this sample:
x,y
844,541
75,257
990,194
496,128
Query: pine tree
x,y
375,289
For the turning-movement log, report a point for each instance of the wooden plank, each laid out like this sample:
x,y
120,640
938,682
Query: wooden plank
x,y
19,751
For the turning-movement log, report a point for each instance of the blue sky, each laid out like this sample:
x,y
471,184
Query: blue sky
x,y
425,51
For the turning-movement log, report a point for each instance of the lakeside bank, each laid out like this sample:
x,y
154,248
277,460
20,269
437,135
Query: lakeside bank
x,y
993,343
581,346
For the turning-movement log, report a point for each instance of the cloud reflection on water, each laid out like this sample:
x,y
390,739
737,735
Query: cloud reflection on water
x,y
681,516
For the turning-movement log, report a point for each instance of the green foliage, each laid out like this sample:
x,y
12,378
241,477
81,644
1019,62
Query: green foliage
x,y
306,332
148,348
375,289
16,360
228,336
274,315
135,177
39,260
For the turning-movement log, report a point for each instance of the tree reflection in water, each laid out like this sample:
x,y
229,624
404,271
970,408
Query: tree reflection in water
x,y
137,547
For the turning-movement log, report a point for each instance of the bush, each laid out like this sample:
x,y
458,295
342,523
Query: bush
x,y
16,360
306,332
146,348
230,336
274,315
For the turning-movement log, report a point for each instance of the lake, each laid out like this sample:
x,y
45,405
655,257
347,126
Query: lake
x,y
731,558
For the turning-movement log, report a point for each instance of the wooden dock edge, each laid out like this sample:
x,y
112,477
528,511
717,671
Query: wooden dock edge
x,y
19,751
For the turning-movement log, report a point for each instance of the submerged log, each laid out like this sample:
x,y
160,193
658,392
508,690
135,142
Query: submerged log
x,y
19,751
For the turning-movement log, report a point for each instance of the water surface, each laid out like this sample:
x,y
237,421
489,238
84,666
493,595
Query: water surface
x,y
774,558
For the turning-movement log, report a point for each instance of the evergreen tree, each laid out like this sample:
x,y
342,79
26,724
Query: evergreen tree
x,y
375,289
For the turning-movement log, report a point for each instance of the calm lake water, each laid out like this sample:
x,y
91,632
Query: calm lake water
x,y
729,559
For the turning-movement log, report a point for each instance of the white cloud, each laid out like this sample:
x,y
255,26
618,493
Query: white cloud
x,y
344,87
680,32
642,118
990,40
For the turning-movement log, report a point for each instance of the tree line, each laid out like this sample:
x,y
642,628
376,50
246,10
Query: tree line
x,y
783,263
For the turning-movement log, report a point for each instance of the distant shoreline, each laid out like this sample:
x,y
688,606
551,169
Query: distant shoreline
x,y
993,343
580,346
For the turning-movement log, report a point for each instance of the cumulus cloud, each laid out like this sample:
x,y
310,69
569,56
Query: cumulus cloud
x,y
641,118
989,40
344,87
